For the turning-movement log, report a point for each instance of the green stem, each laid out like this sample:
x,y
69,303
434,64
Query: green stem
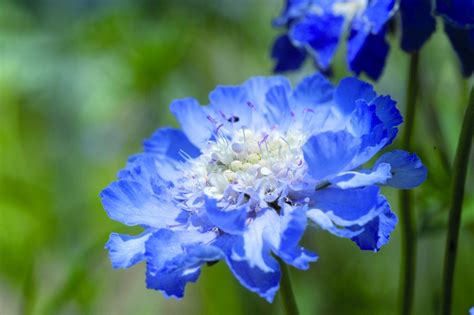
x,y
406,203
457,194
286,291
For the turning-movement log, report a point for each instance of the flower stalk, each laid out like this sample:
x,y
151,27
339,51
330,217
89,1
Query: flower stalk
x,y
407,218
457,194
286,292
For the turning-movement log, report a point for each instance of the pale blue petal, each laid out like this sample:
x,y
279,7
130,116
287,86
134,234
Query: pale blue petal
x,y
125,250
172,144
228,220
354,179
193,120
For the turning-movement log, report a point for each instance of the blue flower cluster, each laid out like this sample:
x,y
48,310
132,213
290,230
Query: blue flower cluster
x,y
316,28
243,177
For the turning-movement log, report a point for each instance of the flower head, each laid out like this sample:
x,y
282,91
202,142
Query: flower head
x,y
242,177
316,28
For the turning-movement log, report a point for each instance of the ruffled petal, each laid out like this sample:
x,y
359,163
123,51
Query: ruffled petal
x,y
406,169
349,91
418,23
292,226
312,91
323,221
378,13
286,55
389,114
172,284
347,207
321,33
132,204
376,233
193,120
278,113
125,250
254,246
329,153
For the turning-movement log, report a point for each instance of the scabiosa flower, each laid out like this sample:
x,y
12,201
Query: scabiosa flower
x,y
316,28
471,311
242,177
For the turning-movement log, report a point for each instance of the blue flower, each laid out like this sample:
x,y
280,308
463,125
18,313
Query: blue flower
x,y
316,28
471,311
240,179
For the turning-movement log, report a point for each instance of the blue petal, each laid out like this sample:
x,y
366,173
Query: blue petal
x,y
321,33
418,23
377,232
313,90
348,207
378,13
229,106
354,179
171,143
293,9
192,118
172,284
286,55
230,221
462,41
278,113
292,226
264,283
388,113
169,250
407,170
329,153
471,311
254,245
132,204
349,91
125,250
366,52
323,221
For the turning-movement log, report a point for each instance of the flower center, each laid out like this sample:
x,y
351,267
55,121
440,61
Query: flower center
x,y
257,164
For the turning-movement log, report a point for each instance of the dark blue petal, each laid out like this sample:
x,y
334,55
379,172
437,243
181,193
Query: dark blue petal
x,y
125,250
459,13
366,52
192,118
348,207
407,170
418,23
132,204
321,33
462,41
349,91
329,153
171,143
229,220
172,284
286,55
377,232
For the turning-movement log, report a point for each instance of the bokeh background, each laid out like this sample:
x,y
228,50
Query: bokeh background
x,y
82,82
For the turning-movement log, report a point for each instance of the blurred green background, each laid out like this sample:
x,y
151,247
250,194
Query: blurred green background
x,y
82,82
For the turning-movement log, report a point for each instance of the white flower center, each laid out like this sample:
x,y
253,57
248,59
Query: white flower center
x,y
248,163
